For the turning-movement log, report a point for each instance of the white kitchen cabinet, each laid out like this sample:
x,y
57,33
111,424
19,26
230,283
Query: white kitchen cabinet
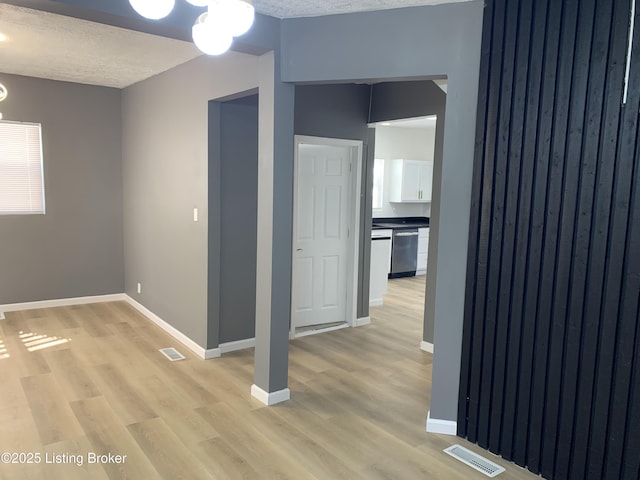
x,y
423,250
410,181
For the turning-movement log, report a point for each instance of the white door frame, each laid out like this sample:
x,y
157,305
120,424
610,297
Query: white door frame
x,y
354,225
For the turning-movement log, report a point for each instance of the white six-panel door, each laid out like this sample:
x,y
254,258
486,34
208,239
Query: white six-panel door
x,y
321,239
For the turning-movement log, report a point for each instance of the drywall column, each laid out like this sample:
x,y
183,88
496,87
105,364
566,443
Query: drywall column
x,y
275,211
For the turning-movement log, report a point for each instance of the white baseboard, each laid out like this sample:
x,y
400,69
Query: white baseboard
x,y
360,322
209,353
116,297
203,353
270,398
376,302
237,345
426,346
446,427
62,302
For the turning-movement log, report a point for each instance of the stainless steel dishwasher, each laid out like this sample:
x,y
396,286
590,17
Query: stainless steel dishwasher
x,y
404,252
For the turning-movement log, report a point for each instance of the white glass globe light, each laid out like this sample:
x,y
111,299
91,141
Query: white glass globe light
x,y
198,3
238,15
209,37
153,9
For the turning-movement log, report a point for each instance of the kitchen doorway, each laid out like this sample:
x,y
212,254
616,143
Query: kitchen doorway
x,y
325,234
405,156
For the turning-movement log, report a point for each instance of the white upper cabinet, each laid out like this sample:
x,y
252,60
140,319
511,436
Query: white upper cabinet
x,y
410,181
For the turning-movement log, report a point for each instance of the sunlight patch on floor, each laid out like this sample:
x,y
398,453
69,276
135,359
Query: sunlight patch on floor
x,y
34,341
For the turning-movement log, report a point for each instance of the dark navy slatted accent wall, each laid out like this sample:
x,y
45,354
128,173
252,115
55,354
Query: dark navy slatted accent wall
x,y
550,372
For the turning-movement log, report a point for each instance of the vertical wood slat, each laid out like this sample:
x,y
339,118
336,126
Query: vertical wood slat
x,y
532,283
607,350
521,19
553,292
572,276
506,199
599,239
550,353
497,208
583,140
531,400
532,70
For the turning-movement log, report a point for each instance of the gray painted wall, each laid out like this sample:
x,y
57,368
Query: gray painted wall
x,y
341,111
238,222
165,157
403,44
76,249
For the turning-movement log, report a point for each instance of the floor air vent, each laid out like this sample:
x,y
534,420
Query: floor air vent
x,y
474,460
172,354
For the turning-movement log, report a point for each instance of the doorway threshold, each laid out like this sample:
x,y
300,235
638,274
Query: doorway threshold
x,y
314,329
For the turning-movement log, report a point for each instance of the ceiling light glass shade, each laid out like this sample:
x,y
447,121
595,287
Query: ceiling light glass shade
x,y
198,3
210,36
238,15
153,9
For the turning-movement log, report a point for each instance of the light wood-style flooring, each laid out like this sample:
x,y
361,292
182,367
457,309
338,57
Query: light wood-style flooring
x,y
90,379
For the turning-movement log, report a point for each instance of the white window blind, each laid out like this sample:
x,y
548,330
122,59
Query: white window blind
x,y
21,179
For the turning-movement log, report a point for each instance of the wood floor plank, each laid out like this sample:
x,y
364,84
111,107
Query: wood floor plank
x,y
50,409
156,439
122,394
107,435
26,363
243,437
19,434
176,411
297,444
222,461
19,431
73,378
11,393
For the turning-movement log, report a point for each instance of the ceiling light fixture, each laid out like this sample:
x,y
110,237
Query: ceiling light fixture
x,y
209,37
237,15
214,30
153,9
3,37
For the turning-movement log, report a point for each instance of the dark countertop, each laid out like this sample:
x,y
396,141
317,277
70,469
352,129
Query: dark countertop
x,y
399,222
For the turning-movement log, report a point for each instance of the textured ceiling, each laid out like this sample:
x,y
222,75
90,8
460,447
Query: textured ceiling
x,y
45,45
310,8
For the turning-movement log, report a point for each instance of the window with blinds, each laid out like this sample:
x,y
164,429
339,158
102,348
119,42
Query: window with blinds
x,y
21,178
